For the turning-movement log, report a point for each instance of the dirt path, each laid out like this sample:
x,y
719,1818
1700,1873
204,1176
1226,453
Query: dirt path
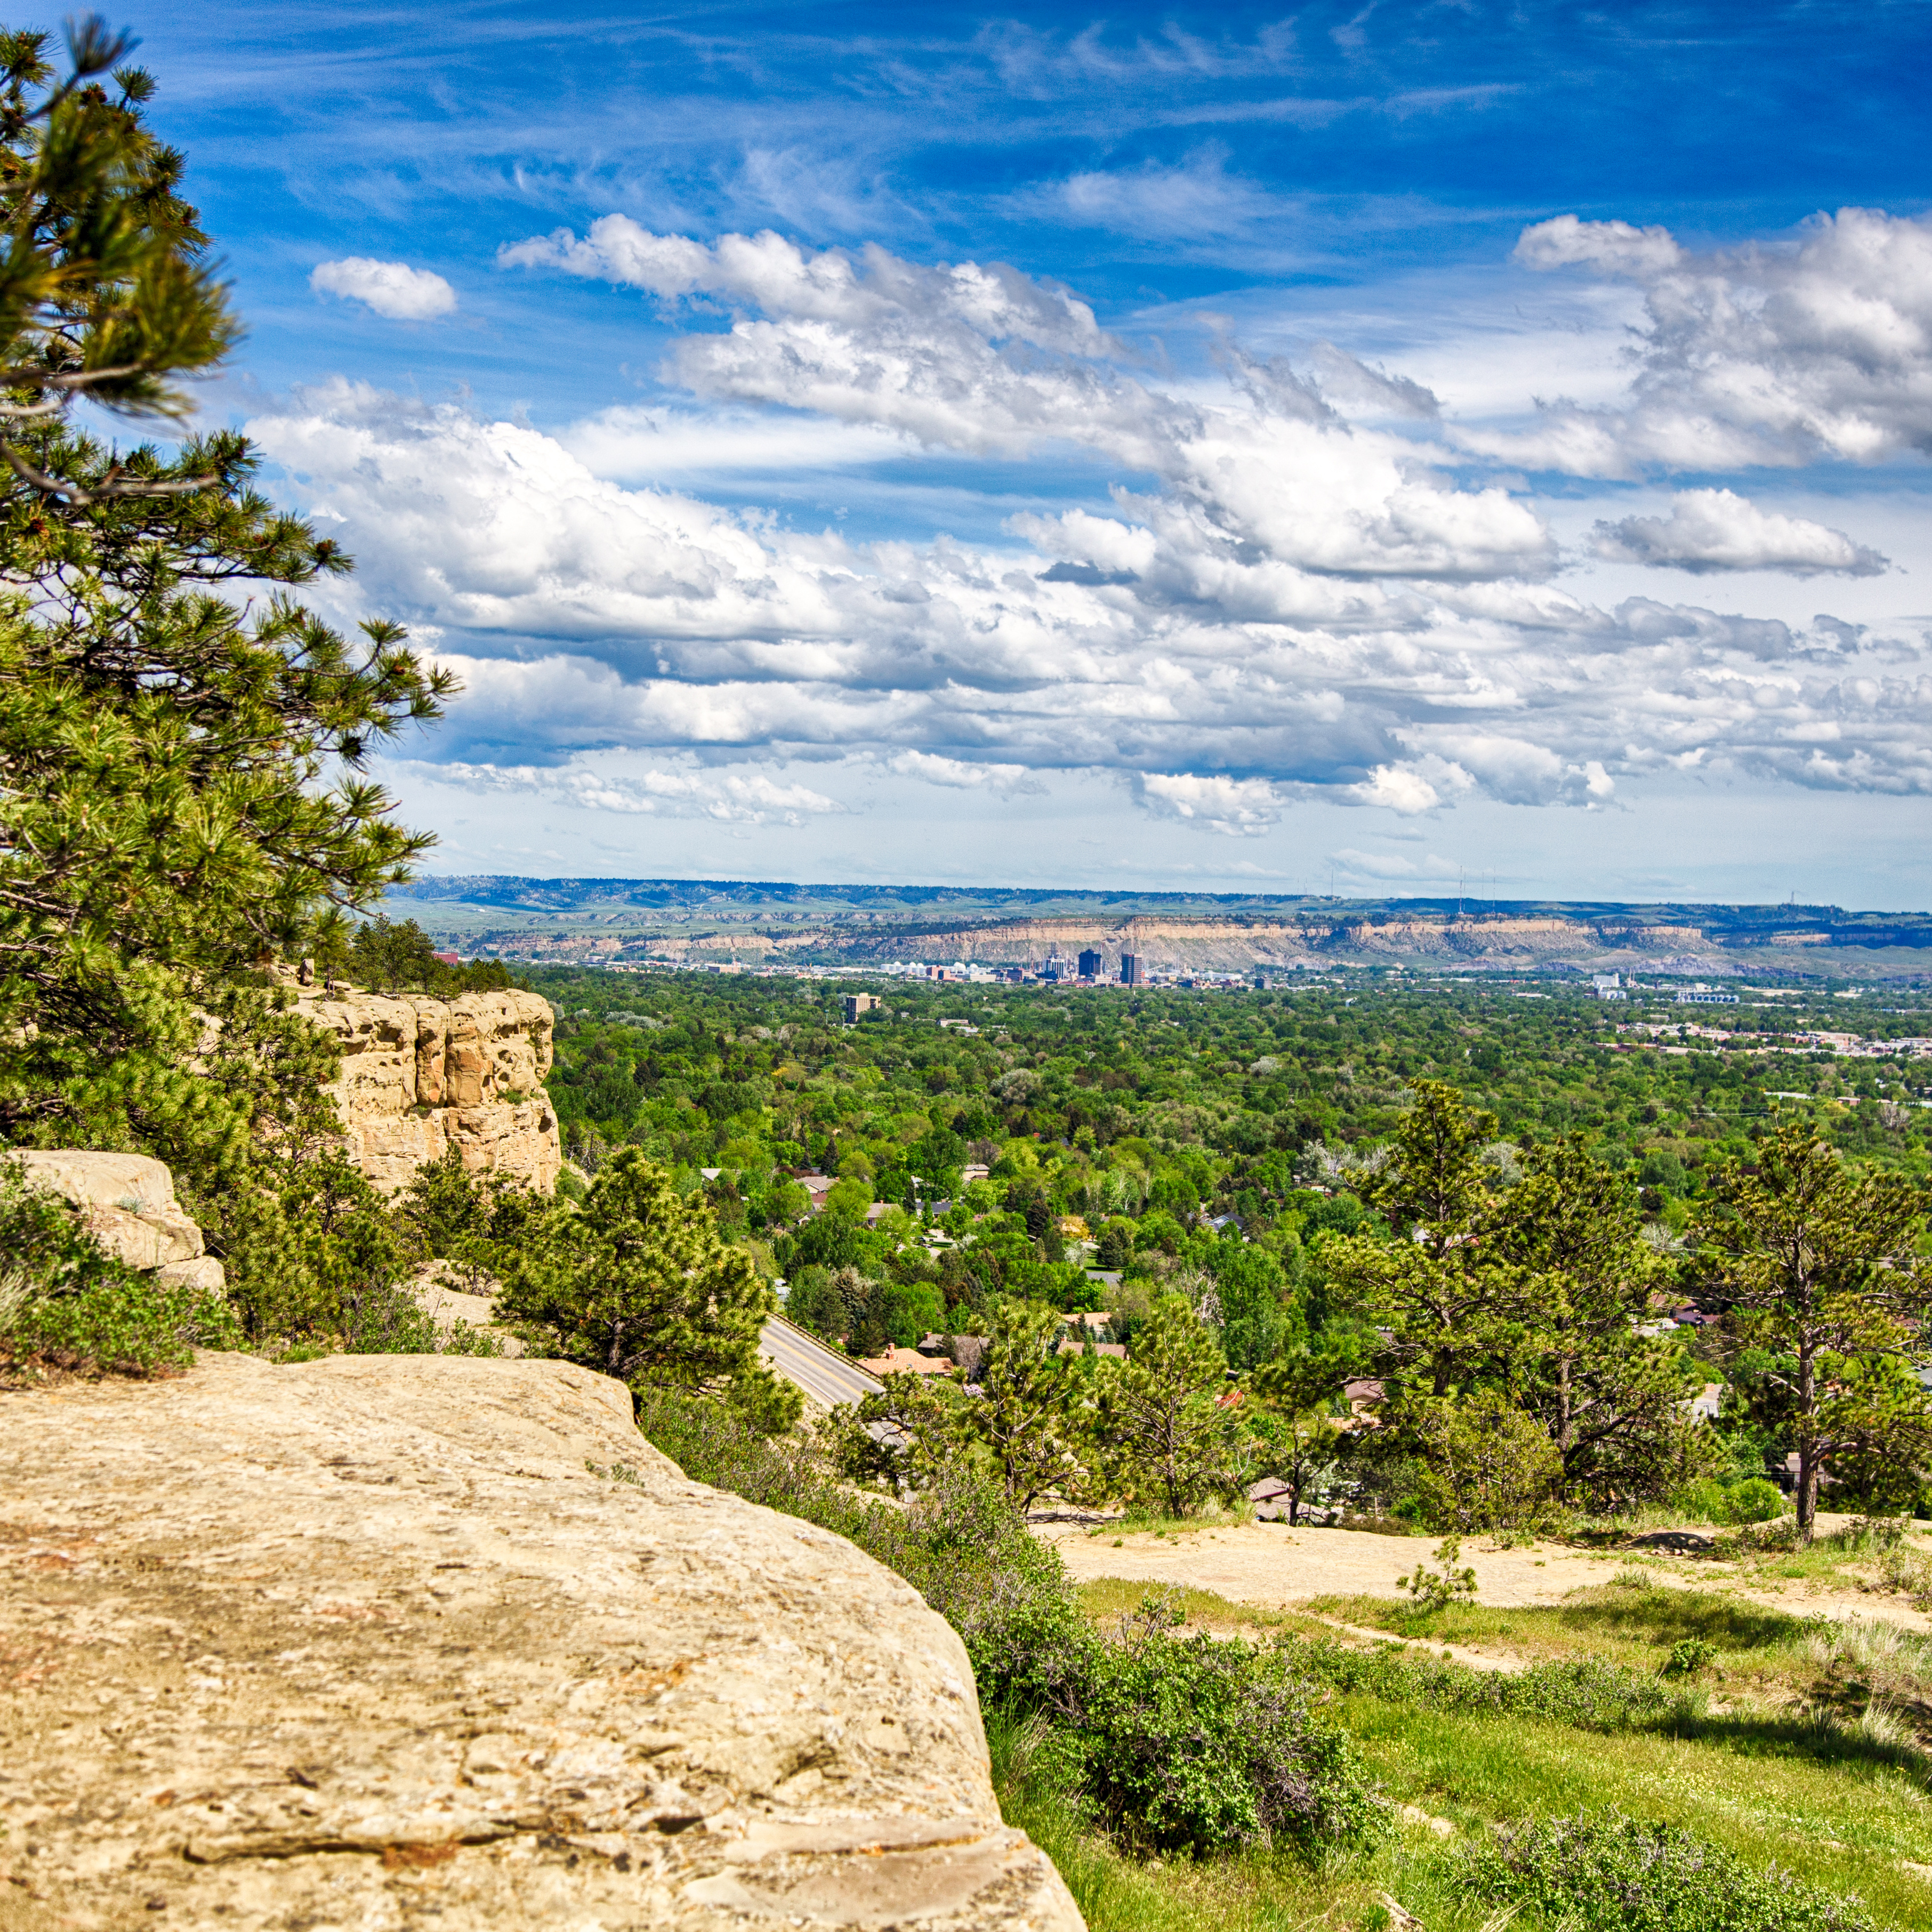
x,y
1269,1565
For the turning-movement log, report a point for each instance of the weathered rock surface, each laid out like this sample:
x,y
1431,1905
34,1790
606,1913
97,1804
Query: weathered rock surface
x,y
362,1643
420,1076
127,1202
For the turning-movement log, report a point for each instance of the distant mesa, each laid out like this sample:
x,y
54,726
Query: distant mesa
x,y
775,922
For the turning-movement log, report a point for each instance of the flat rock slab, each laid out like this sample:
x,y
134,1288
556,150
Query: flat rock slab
x,y
363,1643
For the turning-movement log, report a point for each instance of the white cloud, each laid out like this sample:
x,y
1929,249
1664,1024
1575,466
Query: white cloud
x,y
983,360
1394,866
726,797
392,288
1243,807
1009,781
1717,529
1752,356
1273,590
1187,203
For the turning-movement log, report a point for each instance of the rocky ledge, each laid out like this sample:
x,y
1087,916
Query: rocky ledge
x,y
364,1643
420,1076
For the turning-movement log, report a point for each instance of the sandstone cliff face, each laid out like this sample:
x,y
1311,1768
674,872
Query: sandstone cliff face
x,y
363,1643
420,1076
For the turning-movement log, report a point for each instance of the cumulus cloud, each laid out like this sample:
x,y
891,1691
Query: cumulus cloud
x,y
1281,601
393,289
984,360
1751,356
582,613
1717,529
1242,808
726,797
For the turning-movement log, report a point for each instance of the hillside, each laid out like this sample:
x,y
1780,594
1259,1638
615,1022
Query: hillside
x,y
591,921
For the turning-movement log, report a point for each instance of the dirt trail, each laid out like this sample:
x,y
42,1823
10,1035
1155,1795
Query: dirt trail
x,y
1270,1564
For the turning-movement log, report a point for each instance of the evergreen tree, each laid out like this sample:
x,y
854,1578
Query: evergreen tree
x,y
1820,1277
1031,1420
168,819
1611,1397
637,1284
1163,1415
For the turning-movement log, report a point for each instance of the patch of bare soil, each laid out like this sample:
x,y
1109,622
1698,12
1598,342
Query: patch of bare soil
x,y
1270,1564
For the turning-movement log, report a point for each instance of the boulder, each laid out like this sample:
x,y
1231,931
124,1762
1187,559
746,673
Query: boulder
x,y
420,1076
398,1641
127,1202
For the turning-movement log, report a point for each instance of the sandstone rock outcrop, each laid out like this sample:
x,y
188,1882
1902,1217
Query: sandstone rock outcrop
x,y
363,1642
127,1202
420,1076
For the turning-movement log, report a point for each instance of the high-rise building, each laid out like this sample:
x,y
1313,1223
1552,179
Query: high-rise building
x,y
1090,964
857,1004
1130,970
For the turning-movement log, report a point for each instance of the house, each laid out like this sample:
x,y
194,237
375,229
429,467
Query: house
x,y
976,1171
906,1361
818,1186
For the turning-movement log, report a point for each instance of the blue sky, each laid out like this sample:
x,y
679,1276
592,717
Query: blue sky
x,y
1369,446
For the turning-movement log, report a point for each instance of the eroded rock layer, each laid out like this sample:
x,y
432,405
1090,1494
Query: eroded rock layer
x,y
420,1076
364,1643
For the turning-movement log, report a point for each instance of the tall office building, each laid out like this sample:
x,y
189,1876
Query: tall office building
x,y
1130,970
1090,964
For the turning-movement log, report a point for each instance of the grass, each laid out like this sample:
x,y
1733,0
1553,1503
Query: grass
x,y
1634,1624
1846,1826
1150,1522
1106,1598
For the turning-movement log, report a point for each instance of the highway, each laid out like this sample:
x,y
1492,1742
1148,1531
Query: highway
x,y
824,1375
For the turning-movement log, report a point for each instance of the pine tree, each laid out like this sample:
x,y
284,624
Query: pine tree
x,y
169,823
1820,1277
637,1284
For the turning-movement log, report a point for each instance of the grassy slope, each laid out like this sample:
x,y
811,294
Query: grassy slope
x,y
1817,1799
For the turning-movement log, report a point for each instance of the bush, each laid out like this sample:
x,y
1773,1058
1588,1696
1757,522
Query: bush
x,y
1612,1874
67,1304
1689,1655
1190,1744
1756,1500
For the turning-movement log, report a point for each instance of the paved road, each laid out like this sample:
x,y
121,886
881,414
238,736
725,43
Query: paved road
x,y
823,1373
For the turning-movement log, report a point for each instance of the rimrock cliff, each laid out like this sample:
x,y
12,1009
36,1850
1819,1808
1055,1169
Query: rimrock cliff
x,y
404,1641
420,1076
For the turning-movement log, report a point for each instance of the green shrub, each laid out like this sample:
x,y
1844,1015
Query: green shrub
x,y
1611,1874
67,1304
1757,1499
1689,1655
1189,1744
1754,1500
1705,1501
